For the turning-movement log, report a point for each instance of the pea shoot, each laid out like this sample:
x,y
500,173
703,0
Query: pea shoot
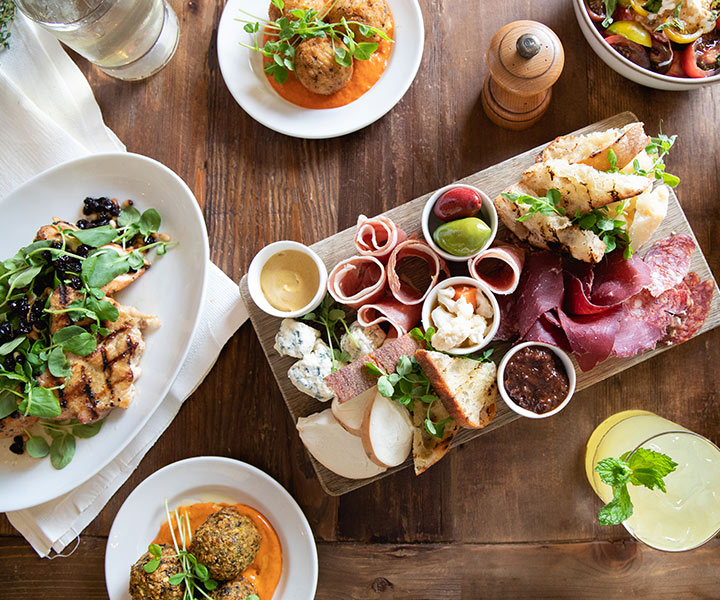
x,y
329,316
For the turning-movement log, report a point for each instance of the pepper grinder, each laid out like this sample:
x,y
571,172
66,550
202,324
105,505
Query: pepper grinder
x,y
525,59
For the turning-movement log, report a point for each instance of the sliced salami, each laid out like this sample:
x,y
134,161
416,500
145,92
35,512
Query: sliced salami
x,y
400,285
401,317
635,335
669,262
592,337
498,267
701,293
377,237
357,281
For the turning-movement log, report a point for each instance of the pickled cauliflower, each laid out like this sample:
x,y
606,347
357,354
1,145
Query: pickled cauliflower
x,y
457,322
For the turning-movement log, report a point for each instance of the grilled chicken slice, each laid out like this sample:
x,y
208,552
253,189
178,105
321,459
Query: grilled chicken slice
x,y
50,232
104,379
15,424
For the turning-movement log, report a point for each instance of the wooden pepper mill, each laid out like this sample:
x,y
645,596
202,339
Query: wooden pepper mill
x,y
525,59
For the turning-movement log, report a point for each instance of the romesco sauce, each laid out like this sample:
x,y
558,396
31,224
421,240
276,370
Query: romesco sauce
x,y
264,572
366,74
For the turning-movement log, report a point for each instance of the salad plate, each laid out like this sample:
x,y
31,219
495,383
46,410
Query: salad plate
x,y
173,289
242,70
211,479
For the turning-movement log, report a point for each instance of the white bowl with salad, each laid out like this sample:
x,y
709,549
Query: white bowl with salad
x,y
663,44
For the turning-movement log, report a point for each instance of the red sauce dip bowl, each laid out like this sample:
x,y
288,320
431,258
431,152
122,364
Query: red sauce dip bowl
x,y
528,368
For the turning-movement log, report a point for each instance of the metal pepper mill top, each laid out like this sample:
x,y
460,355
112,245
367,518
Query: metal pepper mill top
x,y
525,59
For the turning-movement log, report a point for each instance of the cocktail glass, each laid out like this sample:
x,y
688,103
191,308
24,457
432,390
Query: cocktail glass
x,y
688,514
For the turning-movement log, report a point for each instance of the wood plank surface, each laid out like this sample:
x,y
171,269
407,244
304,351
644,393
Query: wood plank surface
x,y
408,217
522,485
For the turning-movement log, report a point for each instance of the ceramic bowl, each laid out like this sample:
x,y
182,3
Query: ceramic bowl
x,y
569,369
431,302
257,264
430,222
629,69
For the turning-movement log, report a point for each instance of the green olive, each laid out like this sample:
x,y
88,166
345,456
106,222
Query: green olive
x,y
462,237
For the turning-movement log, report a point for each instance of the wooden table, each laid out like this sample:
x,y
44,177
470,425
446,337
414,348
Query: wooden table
x,y
509,515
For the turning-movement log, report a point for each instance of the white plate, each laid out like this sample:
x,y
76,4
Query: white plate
x,y
173,289
242,70
211,479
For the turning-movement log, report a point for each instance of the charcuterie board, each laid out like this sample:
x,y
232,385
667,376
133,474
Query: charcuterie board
x,y
492,181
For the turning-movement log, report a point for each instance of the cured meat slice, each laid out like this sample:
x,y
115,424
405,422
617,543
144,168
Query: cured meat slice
x,y
592,337
613,281
388,355
701,293
507,330
357,281
635,335
669,262
498,267
400,286
547,329
662,311
540,289
390,310
377,237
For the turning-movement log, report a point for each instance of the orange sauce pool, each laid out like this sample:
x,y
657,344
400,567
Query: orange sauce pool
x,y
264,572
366,74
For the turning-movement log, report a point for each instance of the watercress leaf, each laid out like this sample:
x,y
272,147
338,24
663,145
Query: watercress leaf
x,y
430,428
62,451
343,57
150,222
43,403
176,579
280,74
24,278
201,572
136,260
95,237
58,364
373,369
385,387
155,550
152,565
8,347
87,430
364,50
75,339
612,159
309,317
105,311
211,584
404,366
128,216
162,248
428,398
671,180
393,378
417,334
614,472
618,509
37,447
102,266
605,225
8,403
404,400
336,314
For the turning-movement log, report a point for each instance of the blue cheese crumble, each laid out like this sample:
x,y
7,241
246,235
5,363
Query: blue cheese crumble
x,y
363,341
308,375
295,338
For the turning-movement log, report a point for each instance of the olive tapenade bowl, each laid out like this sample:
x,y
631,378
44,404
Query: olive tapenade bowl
x,y
256,267
430,222
569,370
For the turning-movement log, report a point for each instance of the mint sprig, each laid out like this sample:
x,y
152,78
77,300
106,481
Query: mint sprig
x,y
642,467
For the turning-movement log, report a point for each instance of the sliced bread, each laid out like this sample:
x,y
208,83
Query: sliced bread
x,y
428,449
467,388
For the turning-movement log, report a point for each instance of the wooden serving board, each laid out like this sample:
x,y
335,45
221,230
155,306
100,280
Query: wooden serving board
x,y
492,181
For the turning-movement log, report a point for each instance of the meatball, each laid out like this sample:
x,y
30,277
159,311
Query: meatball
x,y
274,12
226,543
156,585
374,13
317,69
238,589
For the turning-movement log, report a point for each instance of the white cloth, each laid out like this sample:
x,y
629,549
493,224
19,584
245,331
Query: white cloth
x,y
48,115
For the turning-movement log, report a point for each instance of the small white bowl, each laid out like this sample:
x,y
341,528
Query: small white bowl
x,y
569,369
430,222
257,265
431,301
628,68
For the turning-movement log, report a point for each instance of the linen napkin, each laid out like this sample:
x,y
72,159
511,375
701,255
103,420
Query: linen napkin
x,y
48,115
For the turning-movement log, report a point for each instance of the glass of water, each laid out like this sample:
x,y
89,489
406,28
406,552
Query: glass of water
x,y
127,39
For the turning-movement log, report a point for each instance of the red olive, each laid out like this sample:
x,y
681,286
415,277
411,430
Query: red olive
x,y
457,203
630,50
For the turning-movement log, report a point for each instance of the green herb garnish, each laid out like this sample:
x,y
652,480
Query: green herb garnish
x,y
287,33
329,316
7,16
659,146
642,467
610,228
610,6
653,6
62,446
549,205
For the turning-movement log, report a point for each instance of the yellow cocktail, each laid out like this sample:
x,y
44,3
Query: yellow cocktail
x,y
688,515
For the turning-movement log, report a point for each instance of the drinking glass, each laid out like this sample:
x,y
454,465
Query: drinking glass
x,y
127,39
688,514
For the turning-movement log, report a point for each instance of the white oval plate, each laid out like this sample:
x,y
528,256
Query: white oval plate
x,y
211,479
243,73
173,289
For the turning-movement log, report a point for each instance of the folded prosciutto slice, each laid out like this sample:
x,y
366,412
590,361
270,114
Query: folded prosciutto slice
x,y
498,267
401,317
400,285
357,281
377,237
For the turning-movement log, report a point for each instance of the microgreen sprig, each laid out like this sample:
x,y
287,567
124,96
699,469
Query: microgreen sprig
x,y
329,316
659,146
549,205
609,227
7,16
642,467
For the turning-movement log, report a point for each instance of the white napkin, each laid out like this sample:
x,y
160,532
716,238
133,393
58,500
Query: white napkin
x,y
48,115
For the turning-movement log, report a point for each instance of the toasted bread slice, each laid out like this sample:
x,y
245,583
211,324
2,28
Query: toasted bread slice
x,y
427,449
593,149
467,388
582,187
548,231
